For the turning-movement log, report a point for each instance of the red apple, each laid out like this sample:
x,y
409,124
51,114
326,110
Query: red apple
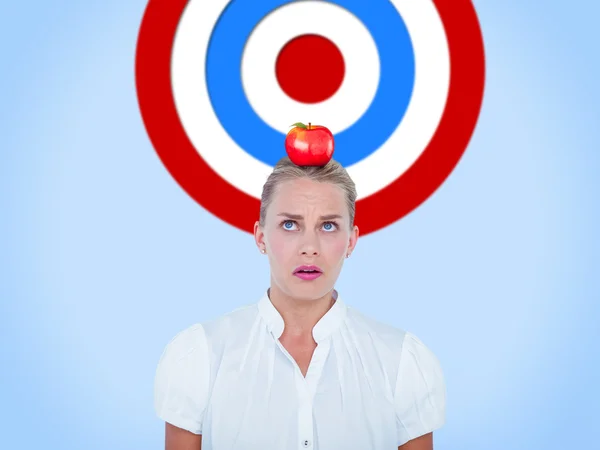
x,y
310,145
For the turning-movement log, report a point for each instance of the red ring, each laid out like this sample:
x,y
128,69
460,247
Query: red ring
x,y
215,194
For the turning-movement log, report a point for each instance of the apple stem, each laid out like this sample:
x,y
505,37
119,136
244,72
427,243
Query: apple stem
x,y
309,125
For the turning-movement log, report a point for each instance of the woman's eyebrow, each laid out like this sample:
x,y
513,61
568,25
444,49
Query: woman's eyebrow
x,y
299,217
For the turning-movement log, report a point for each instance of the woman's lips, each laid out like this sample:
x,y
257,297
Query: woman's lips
x,y
308,272
308,275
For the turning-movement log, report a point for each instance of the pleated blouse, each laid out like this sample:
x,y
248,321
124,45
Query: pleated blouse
x,y
369,386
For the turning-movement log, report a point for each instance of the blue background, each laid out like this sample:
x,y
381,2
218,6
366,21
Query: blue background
x,y
104,258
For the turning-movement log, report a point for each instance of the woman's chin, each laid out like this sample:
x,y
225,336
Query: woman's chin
x,y
309,290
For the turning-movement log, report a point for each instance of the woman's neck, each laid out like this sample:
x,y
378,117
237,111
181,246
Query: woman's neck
x,y
300,315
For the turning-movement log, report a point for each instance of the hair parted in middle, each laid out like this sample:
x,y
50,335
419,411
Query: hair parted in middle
x,y
332,172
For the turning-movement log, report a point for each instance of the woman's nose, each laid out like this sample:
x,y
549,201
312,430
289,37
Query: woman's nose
x,y
310,245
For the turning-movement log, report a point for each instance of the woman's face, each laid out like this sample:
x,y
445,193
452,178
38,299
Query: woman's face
x,y
306,224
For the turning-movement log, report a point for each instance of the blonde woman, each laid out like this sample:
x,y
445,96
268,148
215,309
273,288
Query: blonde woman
x,y
300,369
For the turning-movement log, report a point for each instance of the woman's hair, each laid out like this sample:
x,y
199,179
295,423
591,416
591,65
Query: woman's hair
x,y
286,170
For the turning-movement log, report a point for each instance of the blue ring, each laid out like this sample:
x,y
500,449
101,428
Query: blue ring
x,y
365,136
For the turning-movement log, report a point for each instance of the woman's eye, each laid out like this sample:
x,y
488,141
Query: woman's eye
x,y
329,226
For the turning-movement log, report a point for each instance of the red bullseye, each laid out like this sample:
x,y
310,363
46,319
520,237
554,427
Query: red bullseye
x,y
310,68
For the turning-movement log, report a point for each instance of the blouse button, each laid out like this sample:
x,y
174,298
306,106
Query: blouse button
x,y
306,443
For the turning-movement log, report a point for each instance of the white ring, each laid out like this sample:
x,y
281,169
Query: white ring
x,y
356,45
392,159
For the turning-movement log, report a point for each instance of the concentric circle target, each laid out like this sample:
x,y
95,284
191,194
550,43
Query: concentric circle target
x,y
400,84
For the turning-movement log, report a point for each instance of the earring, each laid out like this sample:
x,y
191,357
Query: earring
x,y
263,251
347,255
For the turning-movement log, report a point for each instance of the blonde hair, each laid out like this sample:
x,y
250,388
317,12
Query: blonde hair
x,y
286,170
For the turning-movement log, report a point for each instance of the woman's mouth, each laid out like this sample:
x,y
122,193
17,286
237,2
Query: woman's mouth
x,y
308,272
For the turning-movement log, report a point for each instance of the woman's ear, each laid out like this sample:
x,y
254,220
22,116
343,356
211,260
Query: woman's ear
x,y
353,240
259,237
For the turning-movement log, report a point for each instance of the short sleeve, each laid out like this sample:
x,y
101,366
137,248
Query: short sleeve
x,y
182,380
420,396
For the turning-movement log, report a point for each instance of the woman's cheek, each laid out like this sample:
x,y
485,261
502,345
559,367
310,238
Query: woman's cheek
x,y
281,245
336,245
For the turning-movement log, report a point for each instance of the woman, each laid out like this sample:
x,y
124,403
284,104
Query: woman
x,y
299,369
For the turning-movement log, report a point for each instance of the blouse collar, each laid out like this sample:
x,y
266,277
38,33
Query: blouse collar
x,y
329,323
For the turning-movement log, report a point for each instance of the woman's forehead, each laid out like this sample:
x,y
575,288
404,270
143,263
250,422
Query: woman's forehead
x,y
309,191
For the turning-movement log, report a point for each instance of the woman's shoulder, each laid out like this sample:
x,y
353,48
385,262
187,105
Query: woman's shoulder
x,y
401,342
189,343
199,333
364,323
418,360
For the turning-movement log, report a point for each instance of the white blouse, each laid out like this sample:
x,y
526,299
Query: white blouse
x,y
369,386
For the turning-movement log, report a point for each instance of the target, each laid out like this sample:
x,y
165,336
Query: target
x,y
400,84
